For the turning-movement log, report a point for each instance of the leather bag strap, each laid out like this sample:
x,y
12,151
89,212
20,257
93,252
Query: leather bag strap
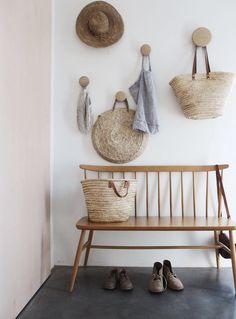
x,y
112,185
207,64
125,101
220,186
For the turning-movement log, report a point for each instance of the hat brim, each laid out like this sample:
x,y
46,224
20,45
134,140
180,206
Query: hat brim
x,y
116,25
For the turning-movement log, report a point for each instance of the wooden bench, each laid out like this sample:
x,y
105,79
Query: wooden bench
x,y
156,220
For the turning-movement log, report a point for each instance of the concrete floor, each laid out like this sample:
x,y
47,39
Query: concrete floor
x,y
208,294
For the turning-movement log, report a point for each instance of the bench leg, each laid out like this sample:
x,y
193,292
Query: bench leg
x,y
90,238
216,237
232,250
77,259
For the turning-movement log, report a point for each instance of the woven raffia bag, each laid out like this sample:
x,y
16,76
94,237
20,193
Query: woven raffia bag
x,y
114,138
202,96
109,200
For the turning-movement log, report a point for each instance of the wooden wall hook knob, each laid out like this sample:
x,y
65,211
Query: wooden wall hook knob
x,y
145,49
84,81
120,96
201,37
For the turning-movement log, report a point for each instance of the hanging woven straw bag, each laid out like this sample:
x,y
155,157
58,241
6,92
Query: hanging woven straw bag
x,y
109,200
114,138
202,96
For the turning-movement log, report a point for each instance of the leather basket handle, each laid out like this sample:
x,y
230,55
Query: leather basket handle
x,y
220,186
126,104
112,185
207,64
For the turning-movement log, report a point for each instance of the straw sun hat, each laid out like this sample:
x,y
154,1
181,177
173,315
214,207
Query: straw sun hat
x,y
99,24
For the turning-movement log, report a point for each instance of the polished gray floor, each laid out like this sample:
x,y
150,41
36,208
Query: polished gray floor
x,y
208,294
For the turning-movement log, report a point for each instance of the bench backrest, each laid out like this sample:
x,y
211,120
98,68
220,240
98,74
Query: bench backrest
x,y
158,184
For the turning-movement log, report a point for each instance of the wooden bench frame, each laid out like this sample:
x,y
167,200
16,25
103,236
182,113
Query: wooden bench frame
x,y
159,223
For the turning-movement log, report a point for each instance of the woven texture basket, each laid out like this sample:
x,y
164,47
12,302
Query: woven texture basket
x,y
114,139
202,96
109,200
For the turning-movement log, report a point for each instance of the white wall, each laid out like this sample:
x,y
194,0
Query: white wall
x,y
25,33
167,26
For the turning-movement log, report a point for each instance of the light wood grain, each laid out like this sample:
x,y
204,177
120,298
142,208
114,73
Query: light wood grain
x,y
88,246
233,260
170,193
182,193
84,81
147,197
145,49
159,194
186,168
77,259
207,191
194,197
120,96
216,238
162,223
155,247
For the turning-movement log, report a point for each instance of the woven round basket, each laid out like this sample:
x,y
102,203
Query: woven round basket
x,y
202,96
109,200
114,139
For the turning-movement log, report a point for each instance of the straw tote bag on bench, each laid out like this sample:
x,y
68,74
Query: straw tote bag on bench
x,y
202,96
109,200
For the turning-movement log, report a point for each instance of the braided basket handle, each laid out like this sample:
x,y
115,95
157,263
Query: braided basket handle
x,y
112,185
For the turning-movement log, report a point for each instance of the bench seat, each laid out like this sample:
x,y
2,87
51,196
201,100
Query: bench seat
x,y
161,223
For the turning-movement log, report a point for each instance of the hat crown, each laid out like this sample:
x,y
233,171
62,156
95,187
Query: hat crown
x,y
98,23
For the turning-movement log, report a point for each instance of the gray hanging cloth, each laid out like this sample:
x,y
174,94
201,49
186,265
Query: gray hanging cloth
x,y
143,92
84,112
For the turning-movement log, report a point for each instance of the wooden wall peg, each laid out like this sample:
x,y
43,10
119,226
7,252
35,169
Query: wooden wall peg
x,y
120,96
145,49
84,81
201,37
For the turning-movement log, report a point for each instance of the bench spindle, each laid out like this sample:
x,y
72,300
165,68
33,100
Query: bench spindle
x,y
207,191
147,212
170,188
159,194
220,197
135,200
182,192
194,200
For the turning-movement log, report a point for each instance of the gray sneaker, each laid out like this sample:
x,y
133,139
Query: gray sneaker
x,y
111,281
124,280
157,282
173,282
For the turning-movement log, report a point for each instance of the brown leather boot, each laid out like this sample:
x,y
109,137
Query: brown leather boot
x,y
124,280
111,281
173,282
157,283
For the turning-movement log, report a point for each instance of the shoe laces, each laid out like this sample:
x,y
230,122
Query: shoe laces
x,y
171,275
156,277
123,274
159,277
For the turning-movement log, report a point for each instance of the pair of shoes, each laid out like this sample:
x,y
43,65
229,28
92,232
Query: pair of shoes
x,y
163,277
118,276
